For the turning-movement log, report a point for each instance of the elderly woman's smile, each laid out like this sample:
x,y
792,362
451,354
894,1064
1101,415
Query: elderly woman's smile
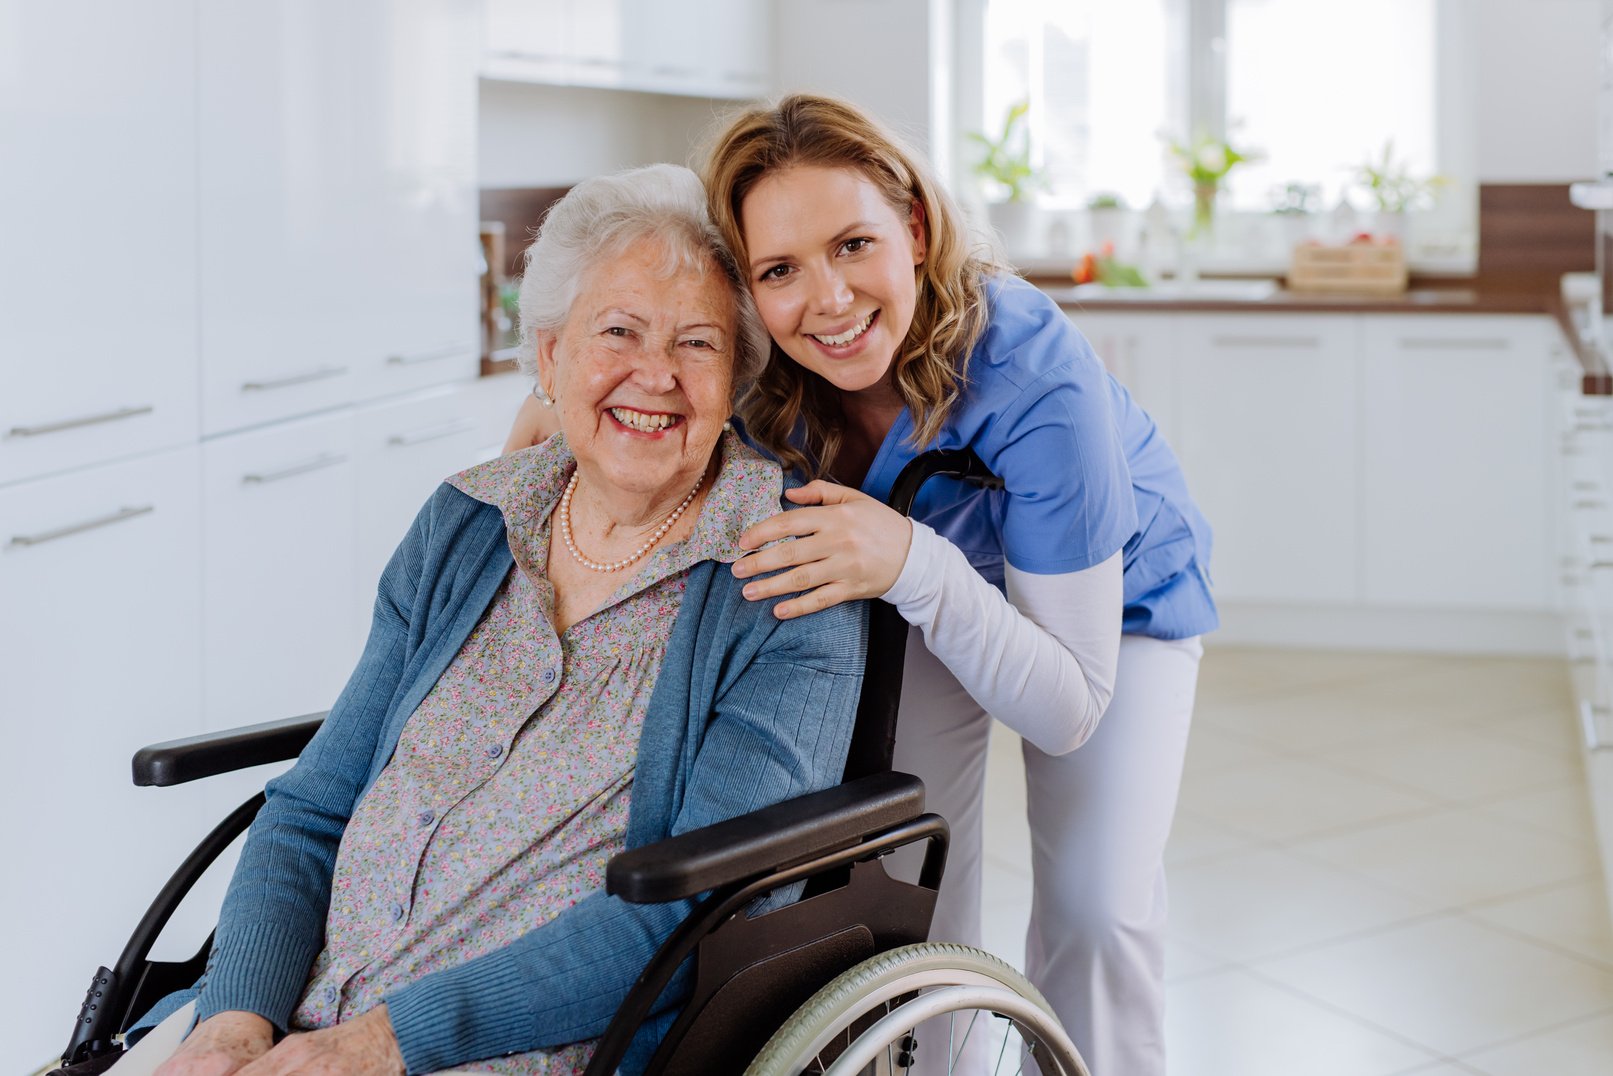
x,y
641,372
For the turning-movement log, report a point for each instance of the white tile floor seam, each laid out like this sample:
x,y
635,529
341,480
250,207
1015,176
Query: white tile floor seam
x,y
1383,865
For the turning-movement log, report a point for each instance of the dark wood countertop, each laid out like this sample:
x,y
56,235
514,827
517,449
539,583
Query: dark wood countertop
x,y
1424,297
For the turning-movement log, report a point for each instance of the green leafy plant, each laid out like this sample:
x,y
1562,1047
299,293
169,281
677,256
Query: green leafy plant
x,y
1106,200
1102,267
1206,162
1006,160
1294,198
1392,187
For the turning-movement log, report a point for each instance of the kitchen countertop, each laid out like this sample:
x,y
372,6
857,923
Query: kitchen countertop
x,y
1568,306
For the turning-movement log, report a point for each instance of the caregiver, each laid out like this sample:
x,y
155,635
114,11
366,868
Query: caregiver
x,y
892,337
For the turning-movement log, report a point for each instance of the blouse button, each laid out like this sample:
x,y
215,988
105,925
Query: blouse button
x,y
331,993
425,818
494,750
397,912
548,676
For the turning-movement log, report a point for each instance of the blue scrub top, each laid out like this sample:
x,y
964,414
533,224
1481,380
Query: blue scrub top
x,y
1085,470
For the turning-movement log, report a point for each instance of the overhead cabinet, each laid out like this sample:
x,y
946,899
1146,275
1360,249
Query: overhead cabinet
x,y
338,202
98,214
720,48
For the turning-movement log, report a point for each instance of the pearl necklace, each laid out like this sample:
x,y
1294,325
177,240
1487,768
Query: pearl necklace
x,y
617,565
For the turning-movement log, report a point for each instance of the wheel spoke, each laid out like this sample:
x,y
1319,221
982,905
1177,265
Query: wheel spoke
x,y
959,1055
998,1067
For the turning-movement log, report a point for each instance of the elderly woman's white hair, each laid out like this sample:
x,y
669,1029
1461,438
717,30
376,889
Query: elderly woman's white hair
x,y
599,219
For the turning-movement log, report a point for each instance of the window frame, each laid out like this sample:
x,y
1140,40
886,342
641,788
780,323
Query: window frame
x,y
1198,102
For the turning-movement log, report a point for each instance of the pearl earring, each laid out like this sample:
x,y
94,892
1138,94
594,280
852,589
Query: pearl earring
x,y
542,397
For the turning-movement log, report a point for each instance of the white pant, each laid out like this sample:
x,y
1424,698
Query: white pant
x,y
1099,818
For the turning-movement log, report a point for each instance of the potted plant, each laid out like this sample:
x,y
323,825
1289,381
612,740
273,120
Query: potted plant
x,y
1110,220
1394,191
1294,206
1005,164
1205,162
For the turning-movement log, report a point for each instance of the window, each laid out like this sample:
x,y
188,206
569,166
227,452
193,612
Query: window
x,y
1320,88
1317,88
1095,76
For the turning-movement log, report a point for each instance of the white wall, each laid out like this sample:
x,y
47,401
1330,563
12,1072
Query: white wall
x,y
550,136
891,57
1538,84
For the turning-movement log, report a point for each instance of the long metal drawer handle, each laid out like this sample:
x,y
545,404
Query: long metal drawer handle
x,y
1587,724
427,356
78,528
296,379
325,460
431,433
1435,343
1265,341
75,423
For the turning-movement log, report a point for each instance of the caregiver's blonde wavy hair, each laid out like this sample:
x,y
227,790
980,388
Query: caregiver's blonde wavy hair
x,y
931,366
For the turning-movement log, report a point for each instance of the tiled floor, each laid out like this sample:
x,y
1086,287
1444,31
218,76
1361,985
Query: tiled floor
x,y
1381,864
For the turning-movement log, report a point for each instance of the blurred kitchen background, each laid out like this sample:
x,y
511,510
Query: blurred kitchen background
x,y
254,269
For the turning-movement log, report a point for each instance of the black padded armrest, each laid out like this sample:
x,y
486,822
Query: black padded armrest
x,y
779,836
176,761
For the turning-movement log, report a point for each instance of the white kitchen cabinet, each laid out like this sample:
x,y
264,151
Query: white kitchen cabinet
x,y
718,48
97,211
1140,351
561,42
405,449
100,655
526,40
338,204
284,187
417,286
278,524
1456,502
1266,432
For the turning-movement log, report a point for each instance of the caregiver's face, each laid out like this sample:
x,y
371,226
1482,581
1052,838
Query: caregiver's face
x,y
832,270
642,372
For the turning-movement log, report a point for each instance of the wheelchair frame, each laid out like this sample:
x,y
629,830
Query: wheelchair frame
x,y
749,973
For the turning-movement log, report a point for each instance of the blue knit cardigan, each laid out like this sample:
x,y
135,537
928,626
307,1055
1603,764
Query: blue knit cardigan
x,y
748,710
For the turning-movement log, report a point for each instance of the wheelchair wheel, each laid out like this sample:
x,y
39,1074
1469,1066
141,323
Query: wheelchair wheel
x,y
864,1021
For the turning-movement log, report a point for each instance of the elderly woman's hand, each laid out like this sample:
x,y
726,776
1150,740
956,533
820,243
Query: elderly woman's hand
x,y
223,1044
534,424
362,1046
848,546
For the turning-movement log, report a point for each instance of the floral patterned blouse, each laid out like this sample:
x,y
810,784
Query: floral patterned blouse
x,y
509,789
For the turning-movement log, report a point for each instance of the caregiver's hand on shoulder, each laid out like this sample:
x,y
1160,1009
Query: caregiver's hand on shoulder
x,y
363,1046
221,1045
534,424
847,546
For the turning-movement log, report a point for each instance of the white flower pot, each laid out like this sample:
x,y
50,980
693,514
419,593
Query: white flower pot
x,y
1018,225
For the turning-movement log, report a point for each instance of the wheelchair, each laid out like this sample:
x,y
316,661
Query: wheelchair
x,y
843,981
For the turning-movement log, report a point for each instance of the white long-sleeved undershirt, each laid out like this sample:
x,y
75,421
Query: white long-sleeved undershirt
x,y
1041,661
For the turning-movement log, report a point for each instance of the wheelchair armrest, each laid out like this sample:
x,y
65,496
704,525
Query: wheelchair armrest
x,y
175,762
764,841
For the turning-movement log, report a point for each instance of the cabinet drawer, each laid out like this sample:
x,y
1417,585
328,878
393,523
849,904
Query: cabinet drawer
x,y
99,654
1267,435
99,273
279,514
1456,480
405,450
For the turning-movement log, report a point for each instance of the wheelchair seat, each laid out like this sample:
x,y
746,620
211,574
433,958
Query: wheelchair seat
x,y
829,983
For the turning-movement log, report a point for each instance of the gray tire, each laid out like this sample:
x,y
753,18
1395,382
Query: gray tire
x,y
947,978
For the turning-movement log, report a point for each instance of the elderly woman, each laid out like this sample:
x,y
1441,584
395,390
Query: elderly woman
x,y
559,668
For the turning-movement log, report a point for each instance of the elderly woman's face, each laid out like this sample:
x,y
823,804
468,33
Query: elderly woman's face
x,y
642,371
